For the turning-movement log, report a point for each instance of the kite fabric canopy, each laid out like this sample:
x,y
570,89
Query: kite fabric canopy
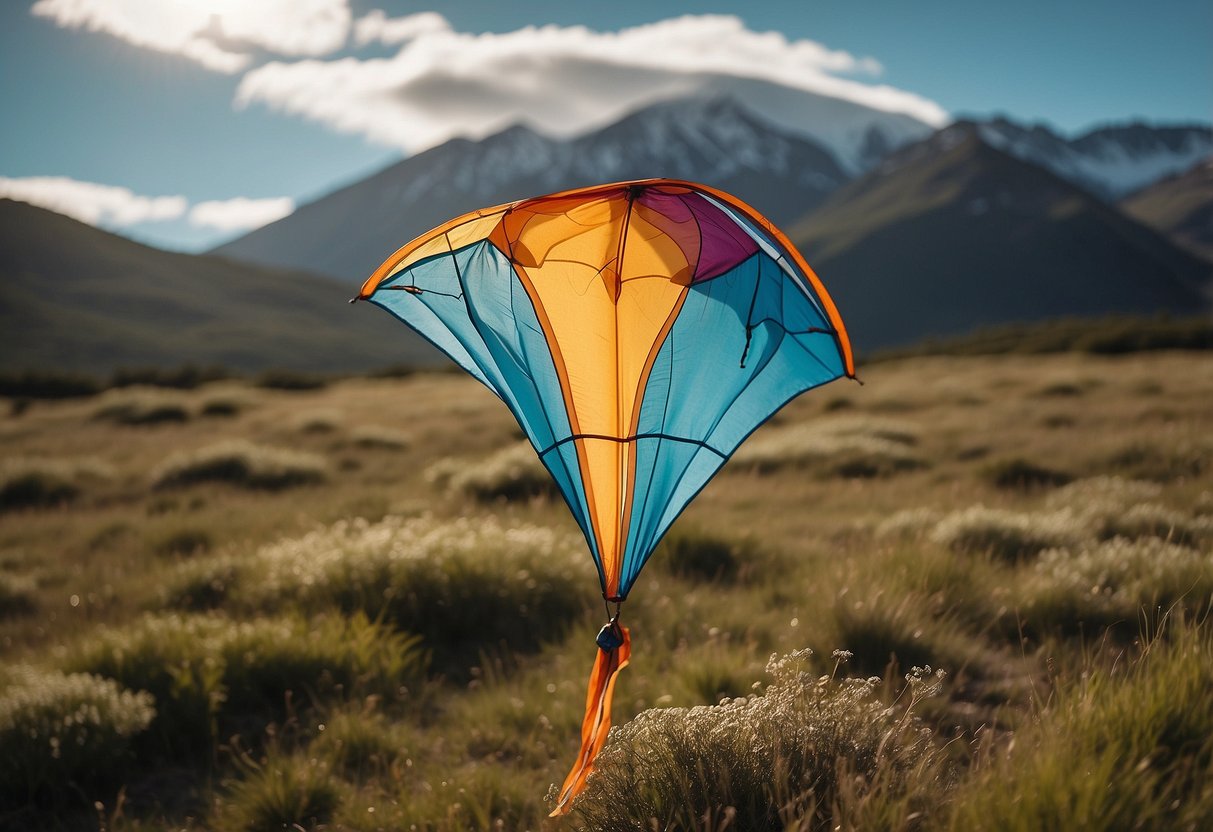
x,y
639,332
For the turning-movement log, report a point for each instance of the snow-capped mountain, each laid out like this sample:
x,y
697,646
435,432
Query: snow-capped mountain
x,y
1112,161
858,136
713,140
952,234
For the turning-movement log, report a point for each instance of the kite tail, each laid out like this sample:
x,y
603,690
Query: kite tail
x,y
614,649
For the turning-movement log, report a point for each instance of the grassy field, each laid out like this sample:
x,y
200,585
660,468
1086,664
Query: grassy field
x,y
970,594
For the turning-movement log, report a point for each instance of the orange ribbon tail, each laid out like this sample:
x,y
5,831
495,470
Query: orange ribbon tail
x,y
597,720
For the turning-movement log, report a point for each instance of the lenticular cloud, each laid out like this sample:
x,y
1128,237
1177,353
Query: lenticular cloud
x,y
562,80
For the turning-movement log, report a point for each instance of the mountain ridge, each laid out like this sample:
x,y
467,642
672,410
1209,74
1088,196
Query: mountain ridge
x,y
966,235
78,298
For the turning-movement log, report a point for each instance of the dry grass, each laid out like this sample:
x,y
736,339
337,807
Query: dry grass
x,y
886,501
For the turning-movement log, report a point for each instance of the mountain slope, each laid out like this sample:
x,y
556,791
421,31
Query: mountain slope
x,y
711,140
73,297
952,234
1181,207
1110,161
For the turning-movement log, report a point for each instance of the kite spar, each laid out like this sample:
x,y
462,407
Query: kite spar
x,y
639,332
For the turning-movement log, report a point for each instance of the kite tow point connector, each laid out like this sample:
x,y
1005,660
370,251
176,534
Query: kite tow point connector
x,y
610,636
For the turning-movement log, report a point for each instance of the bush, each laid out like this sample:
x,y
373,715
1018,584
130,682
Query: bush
x,y
241,463
465,586
843,448
204,670
1162,463
290,380
1007,535
16,596
318,422
187,377
1023,475
808,753
35,483
513,473
693,553
1120,581
34,384
372,438
65,736
1153,520
138,406
223,405
187,541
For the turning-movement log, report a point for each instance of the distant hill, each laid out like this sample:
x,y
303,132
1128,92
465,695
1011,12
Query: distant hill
x,y
951,235
73,297
711,140
1181,207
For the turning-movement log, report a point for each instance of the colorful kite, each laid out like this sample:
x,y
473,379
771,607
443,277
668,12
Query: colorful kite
x,y
639,332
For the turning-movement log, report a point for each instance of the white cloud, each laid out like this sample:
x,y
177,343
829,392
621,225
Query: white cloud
x,y
112,206
89,202
563,80
219,34
377,27
240,213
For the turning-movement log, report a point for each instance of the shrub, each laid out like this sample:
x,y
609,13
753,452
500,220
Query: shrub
x,y
372,438
290,380
33,483
65,736
1153,520
1023,475
140,406
1162,463
223,405
16,596
1005,534
808,753
1107,493
241,463
187,377
187,541
694,553
318,422
908,523
513,473
1115,582
465,586
36,384
203,584
203,669
846,448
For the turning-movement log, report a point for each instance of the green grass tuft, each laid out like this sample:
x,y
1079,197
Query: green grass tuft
x,y
1126,746
208,673
282,792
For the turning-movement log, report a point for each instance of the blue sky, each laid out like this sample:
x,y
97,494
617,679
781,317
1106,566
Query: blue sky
x,y
166,131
